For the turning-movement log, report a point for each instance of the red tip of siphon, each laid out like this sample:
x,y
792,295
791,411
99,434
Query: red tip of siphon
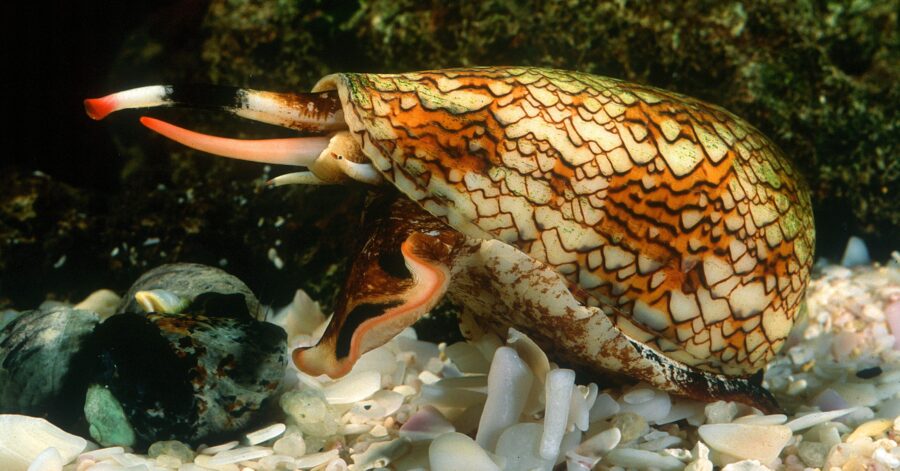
x,y
98,108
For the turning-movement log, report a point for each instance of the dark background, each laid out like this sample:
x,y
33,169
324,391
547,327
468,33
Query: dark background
x,y
819,77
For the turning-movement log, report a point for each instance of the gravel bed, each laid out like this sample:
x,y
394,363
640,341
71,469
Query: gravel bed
x,y
500,404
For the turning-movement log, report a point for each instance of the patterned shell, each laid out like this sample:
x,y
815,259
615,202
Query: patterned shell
x,y
684,223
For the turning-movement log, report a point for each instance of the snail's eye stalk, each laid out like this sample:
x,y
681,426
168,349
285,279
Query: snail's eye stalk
x,y
309,112
331,155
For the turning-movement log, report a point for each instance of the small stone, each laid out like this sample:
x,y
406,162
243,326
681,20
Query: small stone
x,y
604,407
310,412
316,459
455,451
813,454
872,428
509,382
426,424
265,434
631,425
171,448
701,460
354,387
748,442
746,465
642,459
600,444
519,444
290,444
109,425
815,418
651,404
558,393
720,412
858,394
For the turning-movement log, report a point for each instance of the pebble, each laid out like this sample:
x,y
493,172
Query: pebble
x,y
746,465
641,459
600,444
455,451
354,387
558,389
265,434
631,425
816,418
720,412
749,442
521,446
813,454
604,407
509,381
316,459
171,448
290,444
872,428
653,407
23,438
426,424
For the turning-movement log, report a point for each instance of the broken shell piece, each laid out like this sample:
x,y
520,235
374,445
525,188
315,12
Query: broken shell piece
x,y
265,434
23,438
353,387
467,358
426,424
650,403
302,319
509,381
630,458
381,454
455,451
746,442
558,389
520,443
604,407
816,418
382,404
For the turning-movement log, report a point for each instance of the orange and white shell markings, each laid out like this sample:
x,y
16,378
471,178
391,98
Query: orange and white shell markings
x,y
688,227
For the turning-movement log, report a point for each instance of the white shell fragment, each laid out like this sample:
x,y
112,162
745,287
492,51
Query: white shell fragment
x,y
426,424
23,438
356,386
415,405
558,389
746,442
265,434
642,459
519,444
455,452
509,381
47,460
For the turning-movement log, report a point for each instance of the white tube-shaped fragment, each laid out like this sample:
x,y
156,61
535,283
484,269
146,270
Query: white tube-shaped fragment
x,y
558,389
509,381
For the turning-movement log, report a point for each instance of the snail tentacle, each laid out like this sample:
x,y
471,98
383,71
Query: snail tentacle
x,y
310,112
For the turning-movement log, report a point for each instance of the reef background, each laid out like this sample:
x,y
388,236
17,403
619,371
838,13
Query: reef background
x,y
85,205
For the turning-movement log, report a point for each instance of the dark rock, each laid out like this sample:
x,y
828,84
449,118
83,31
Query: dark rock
x,y
36,357
205,290
179,377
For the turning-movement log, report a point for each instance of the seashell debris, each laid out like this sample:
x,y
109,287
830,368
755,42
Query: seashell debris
x,y
491,405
